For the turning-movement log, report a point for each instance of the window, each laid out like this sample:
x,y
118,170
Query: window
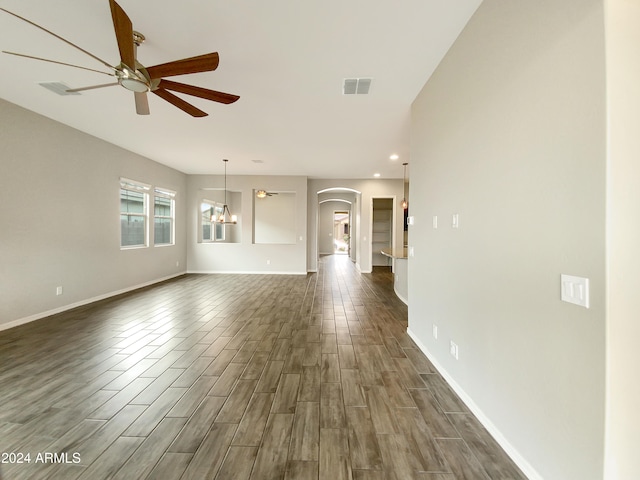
x,y
163,217
133,214
211,230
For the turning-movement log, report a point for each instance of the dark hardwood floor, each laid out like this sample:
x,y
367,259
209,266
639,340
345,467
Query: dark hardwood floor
x,y
236,377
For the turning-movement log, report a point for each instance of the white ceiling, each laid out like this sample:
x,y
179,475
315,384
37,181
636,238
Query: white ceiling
x,y
285,58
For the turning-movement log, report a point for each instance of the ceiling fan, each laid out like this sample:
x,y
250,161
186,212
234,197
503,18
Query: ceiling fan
x,y
133,76
264,193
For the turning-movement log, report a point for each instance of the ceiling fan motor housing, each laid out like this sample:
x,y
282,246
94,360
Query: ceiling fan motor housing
x,y
134,81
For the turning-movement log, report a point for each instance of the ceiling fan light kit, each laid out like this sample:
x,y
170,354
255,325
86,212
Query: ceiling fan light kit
x,y
140,80
133,81
264,194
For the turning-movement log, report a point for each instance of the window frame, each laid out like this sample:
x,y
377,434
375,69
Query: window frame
x,y
137,187
216,207
159,192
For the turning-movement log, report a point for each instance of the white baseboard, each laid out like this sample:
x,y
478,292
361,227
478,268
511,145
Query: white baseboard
x,y
404,300
514,454
242,272
38,316
360,269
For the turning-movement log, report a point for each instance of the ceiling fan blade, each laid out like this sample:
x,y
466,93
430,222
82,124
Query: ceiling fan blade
x,y
178,102
59,63
142,103
59,38
124,35
201,63
92,87
205,93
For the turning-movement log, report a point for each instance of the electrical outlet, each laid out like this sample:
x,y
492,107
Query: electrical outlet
x,y
268,262
435,331
453,349
455,221
435,221
59,290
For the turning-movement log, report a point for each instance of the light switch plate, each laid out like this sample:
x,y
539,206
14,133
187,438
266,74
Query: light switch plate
x,y
453,349
574,290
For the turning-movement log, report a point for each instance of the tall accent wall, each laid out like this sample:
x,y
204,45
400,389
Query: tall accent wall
x,y
509,134
60,218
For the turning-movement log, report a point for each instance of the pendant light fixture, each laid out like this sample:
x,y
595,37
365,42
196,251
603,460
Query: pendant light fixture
x,y
405,202
226,217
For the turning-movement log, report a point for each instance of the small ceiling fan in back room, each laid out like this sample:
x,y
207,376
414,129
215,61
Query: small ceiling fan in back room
x,y
140,80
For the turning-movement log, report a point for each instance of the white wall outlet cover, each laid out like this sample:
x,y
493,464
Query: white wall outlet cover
x,y
410,220
455,220
435,332
435,221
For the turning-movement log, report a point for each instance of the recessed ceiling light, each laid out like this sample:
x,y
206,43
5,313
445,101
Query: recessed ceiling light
x,y
376,175
394,157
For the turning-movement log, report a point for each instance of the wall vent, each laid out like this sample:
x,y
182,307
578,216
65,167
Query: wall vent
x,y
356,86
58,87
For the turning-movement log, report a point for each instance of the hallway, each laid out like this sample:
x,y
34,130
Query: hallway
x,y
237,377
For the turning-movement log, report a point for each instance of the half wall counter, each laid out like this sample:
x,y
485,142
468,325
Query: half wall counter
x,y
399,269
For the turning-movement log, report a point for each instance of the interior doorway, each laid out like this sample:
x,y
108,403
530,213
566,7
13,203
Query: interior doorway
x,y
341,232
382,230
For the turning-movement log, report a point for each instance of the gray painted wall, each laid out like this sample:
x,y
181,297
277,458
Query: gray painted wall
x,y
509,133
60,218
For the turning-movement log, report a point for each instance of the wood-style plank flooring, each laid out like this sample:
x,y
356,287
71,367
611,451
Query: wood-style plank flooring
x,y
236,377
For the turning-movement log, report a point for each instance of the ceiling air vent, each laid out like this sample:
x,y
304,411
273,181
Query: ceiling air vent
x,y
356,86
58,87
